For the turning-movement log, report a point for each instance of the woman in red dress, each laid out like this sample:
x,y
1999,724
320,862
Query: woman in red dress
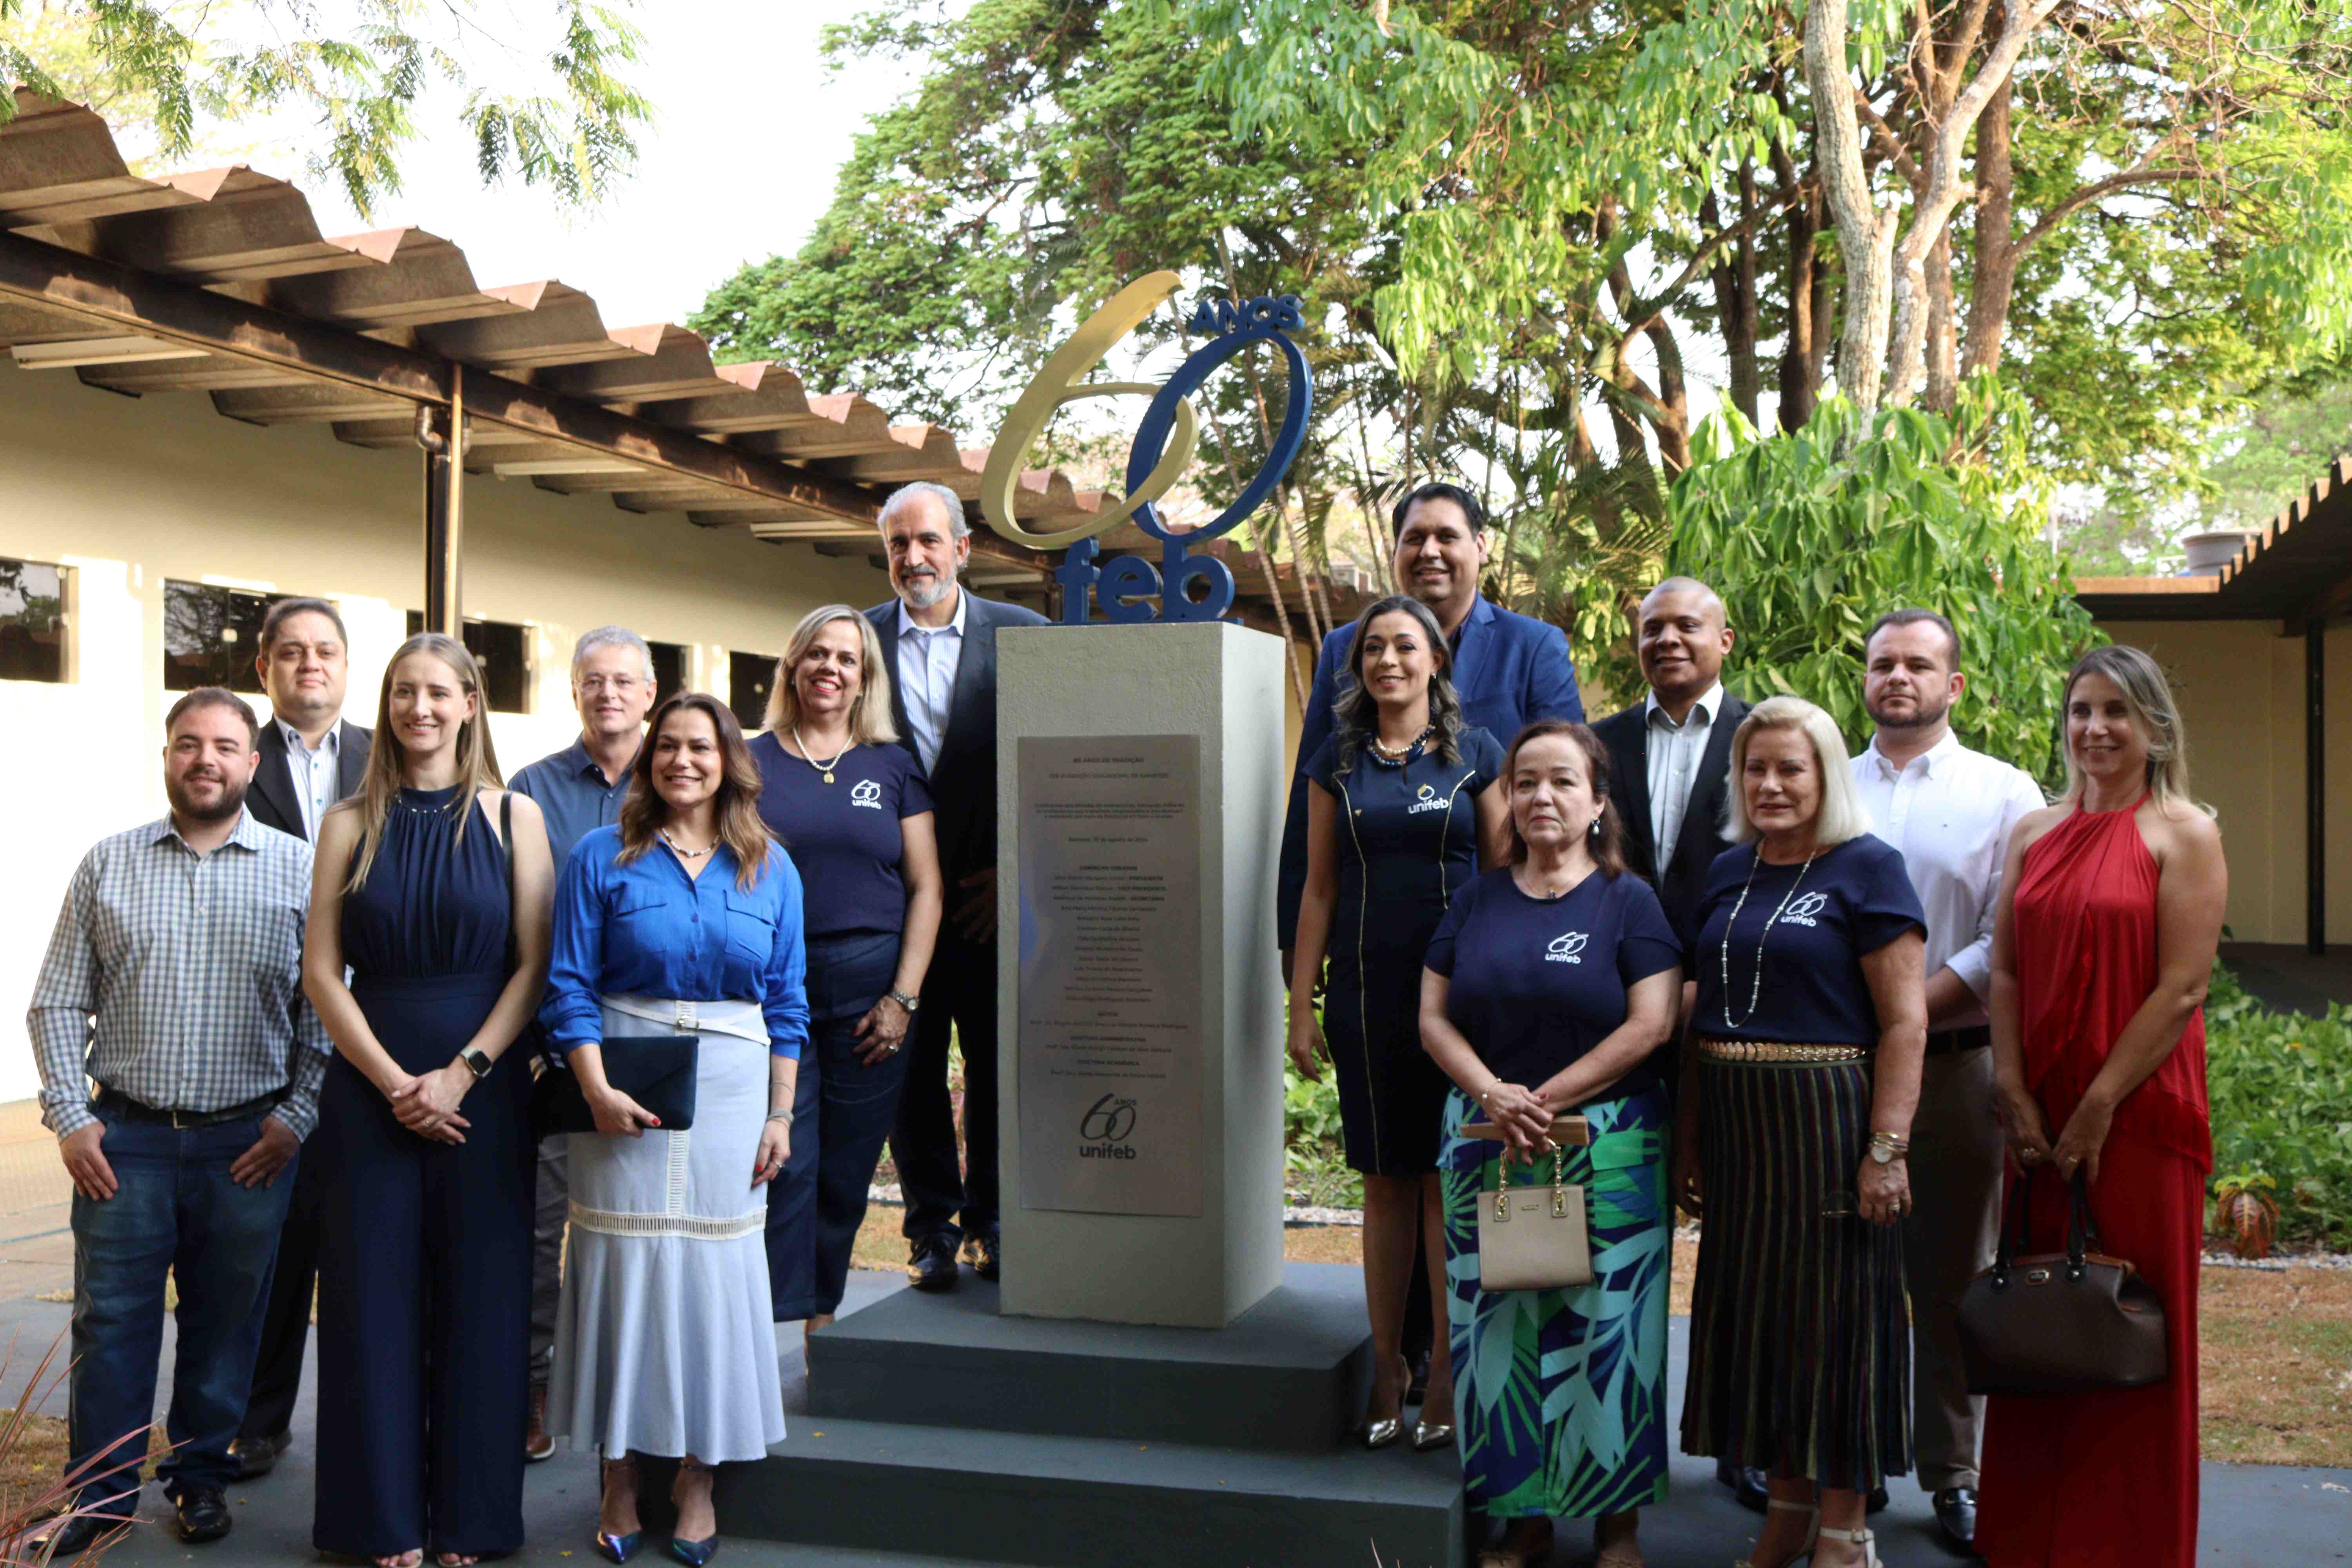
x,y
2110,912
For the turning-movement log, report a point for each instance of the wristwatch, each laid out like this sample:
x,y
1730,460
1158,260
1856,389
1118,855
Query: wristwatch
x,y
908,1003
478,1062
1885,1148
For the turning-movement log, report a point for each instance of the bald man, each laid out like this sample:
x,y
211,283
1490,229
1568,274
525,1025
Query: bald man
x,y
1670,753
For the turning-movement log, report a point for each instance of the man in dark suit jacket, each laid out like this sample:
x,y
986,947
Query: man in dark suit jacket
x,y
1670,753
939,642
310,759
1508,670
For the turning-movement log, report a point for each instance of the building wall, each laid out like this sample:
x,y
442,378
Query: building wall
x,y
2240,688
128,492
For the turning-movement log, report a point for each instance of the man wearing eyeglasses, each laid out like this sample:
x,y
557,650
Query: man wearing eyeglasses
x,y
578,788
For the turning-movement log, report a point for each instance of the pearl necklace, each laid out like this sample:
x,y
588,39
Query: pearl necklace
x,y
1404,750
1756,991
809,757
680,850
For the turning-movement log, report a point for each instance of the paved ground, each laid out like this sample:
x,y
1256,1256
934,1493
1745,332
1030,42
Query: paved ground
x,y
2289,979
2257,1517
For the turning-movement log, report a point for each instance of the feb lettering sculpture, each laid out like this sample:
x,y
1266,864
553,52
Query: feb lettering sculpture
x,y
1188,587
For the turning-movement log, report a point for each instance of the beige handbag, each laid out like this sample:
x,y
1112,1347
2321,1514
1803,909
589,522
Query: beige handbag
x,y
1532,1238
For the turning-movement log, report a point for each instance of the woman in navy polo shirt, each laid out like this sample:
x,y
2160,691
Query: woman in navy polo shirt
x,y
853,810
1547,989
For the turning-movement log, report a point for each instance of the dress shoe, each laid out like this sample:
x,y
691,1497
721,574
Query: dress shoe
x,y
1748,1489
62,1539
933,1265
537,1444
202,1514
1956,1515
985,1253
1876,1503
256,1457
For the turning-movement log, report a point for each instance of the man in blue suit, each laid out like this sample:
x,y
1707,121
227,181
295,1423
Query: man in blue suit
x,y
940,643
1509,669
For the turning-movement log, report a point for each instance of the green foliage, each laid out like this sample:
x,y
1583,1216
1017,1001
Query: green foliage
x,y
358,76
1810,537
2280,1086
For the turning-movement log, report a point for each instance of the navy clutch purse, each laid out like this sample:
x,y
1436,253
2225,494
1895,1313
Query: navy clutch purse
x,y
658,1072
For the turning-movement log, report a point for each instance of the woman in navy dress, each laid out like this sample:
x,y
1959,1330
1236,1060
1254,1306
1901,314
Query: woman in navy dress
x,y
1549,986
1811,1022
1403,806
433,884
853,811
683,915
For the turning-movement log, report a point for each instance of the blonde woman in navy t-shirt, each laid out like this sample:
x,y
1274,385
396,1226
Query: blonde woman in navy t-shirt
x,y
852,809
1547,992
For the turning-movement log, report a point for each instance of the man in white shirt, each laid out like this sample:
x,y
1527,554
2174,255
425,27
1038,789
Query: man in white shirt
x,y
1951,811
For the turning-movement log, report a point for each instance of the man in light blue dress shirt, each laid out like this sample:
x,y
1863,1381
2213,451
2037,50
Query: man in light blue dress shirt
x,y
940,642
578,789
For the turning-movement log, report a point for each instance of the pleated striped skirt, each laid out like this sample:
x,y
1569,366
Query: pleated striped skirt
x,y
1800,1343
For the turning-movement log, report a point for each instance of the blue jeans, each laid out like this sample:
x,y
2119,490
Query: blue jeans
x,y
174,1210
841,1111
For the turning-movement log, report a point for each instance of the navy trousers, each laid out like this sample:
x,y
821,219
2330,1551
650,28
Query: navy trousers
x,y
841,1111
285,1310
174,1210
959,1000
424,1294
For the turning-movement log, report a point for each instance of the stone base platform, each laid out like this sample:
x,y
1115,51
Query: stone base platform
x,y
937,1427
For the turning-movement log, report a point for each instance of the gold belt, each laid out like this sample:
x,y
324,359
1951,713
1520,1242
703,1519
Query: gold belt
x,y
1769,1051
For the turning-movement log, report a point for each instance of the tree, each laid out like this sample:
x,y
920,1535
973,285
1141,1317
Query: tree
x,y
1810,535
184,67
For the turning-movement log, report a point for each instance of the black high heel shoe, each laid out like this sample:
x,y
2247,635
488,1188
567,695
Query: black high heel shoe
x,y
693,1553
616,1548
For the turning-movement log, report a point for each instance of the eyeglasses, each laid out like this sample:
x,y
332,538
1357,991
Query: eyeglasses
x,y
619,684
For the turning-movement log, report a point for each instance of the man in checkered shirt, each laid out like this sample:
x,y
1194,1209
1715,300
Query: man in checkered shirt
x,y
173,984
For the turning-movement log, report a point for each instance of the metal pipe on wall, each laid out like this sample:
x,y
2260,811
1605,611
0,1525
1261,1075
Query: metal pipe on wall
x,y
2315,785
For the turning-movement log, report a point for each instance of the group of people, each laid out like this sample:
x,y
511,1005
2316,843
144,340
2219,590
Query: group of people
x,y
332,1025
308,1031
1698,956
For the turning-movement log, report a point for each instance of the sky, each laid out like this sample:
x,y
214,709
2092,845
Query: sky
x,y
739,166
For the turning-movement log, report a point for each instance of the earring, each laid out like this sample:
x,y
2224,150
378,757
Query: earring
x,y
1594,831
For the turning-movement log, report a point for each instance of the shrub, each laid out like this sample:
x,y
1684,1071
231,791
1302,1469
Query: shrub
x,y
2281,1087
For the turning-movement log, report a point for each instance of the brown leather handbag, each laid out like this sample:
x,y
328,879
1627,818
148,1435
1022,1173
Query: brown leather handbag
x,y
2059,1322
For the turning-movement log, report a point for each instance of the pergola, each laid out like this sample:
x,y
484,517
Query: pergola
x,y
2296,572
219,281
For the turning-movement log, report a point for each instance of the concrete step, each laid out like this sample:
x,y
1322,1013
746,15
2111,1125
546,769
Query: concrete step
x,y
1079,1502
1289,1375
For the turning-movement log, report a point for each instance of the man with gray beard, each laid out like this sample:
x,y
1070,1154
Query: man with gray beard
x,y
940,642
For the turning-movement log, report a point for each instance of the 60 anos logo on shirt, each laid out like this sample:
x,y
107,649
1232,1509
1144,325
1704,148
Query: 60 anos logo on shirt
x,y
1805,912
1565,949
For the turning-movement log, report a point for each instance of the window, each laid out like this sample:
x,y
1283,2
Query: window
x,y
503,650
32,621
212,635
748,676
669,670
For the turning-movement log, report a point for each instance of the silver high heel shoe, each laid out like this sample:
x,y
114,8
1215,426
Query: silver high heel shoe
x,y
1382,1432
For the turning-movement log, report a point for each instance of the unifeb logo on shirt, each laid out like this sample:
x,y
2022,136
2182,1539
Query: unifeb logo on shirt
x,y
867,794
1803,910
1428,800
1566,948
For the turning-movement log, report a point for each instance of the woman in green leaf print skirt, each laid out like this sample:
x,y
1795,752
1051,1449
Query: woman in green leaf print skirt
x,y
1547,988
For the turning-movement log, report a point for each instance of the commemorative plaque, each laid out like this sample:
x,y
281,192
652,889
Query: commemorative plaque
x,y
1110,1050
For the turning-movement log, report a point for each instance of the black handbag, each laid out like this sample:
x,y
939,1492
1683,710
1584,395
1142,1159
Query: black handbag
x,y
2055,1324
655,1071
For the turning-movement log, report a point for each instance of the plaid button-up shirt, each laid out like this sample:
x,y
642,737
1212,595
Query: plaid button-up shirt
x,y
176,978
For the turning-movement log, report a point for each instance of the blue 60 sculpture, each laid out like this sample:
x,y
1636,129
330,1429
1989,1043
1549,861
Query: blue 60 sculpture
x,y
1189,587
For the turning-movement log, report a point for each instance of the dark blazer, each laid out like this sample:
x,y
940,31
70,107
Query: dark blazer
x,y
1509,671
272,800
963,781
1626,734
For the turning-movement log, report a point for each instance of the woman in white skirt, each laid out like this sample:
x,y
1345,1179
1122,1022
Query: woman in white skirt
x,y
683,916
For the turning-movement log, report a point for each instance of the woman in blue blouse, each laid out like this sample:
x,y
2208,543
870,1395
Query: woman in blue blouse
x,y
853,811
1402,807
685,911
1549,986
1811,1022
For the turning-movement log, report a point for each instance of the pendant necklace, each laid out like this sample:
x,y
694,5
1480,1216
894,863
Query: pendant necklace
x,y
809,757
1404,750
1755,991
680,850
